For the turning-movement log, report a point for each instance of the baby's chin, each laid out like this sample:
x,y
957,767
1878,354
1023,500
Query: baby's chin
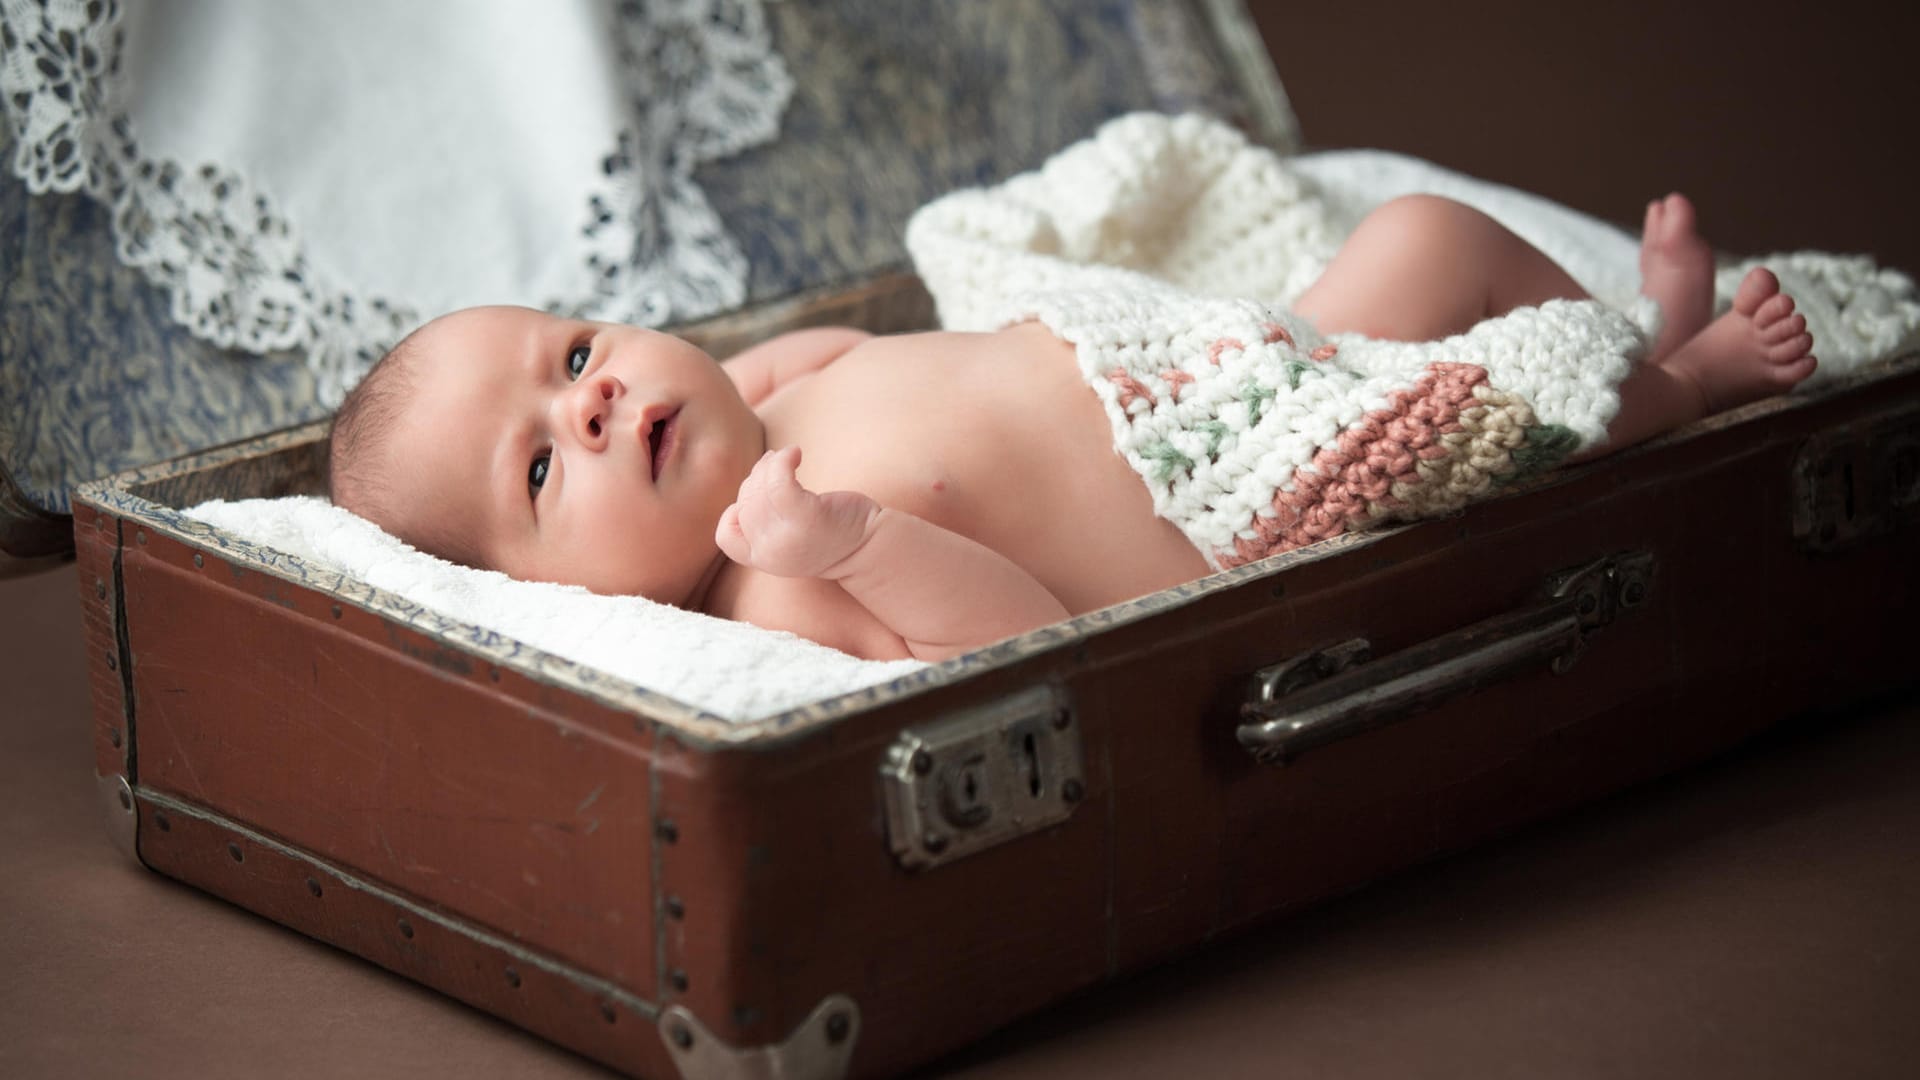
x,y
685,588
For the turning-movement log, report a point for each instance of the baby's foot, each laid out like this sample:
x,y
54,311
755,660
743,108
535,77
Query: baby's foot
x,y
1676,269
1758,349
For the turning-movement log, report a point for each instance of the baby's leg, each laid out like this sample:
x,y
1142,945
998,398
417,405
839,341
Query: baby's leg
x,y
1420,267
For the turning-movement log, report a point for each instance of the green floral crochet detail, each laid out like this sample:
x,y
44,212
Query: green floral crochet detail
x,y
1547,445
1166,460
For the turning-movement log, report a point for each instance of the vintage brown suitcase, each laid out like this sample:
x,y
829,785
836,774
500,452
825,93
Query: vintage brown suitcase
x,y
863,883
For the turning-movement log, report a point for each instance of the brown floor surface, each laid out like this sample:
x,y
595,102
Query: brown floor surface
x,y
1753,918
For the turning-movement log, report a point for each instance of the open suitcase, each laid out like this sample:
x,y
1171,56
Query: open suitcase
x,y
857,885
860,884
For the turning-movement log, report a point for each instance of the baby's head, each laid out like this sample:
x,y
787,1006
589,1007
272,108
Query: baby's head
x,y
552,450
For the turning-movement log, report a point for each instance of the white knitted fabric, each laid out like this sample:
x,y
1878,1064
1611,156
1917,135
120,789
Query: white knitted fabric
x,y
1254,433
1166,249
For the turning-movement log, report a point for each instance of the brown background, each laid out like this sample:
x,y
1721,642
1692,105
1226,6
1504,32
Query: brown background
x,y
1793,125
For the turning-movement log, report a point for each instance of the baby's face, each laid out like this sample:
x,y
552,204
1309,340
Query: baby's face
x,y
583,453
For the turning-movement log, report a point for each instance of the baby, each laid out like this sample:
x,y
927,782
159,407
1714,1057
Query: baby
x,y
956,488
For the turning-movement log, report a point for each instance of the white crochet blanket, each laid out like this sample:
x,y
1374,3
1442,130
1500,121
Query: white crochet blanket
x,y
1858,313
1156,246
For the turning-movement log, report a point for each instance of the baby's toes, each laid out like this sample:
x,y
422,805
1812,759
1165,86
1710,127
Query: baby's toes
x,y
1795,348
1676,218
1773,333
1755,289
1794,372
1773,309
1790,350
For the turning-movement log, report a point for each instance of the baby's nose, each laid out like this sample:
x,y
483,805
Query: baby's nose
x,y
593,399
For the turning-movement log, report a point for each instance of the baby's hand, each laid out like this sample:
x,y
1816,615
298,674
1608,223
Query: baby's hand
x,y
777,526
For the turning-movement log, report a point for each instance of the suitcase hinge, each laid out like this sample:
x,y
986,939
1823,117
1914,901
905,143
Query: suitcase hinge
x,y
122,813
819,1048
982,777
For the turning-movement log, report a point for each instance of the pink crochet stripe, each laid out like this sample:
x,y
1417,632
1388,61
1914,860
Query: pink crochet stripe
x,y
1222,345
1349,478
1131,389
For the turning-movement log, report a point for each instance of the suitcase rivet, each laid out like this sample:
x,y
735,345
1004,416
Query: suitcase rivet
x,y
113,662
679,980
493,673
1072,791
160,819
513,978
667,831
675,909
1635,592
140,537
198,561
336,611
922,762
234,851
837,1027
1588,602
1278,591
313,887
99,589
126,800
406,929
934,842
1062,719
682,1036
113,736
607,1013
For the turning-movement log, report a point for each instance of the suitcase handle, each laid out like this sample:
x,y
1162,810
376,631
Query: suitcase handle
x,y
1334,693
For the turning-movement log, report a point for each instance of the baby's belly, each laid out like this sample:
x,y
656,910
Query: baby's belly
x,y
996,437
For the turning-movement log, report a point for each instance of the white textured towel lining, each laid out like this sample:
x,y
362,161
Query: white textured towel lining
x,y
742,672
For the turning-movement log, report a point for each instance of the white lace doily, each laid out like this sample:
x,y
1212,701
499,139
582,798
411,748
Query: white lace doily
x,y
319,175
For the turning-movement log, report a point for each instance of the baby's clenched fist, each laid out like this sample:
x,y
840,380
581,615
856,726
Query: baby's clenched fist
x,y
779,527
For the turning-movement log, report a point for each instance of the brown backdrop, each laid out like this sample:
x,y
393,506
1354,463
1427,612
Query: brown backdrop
x,y
1792,125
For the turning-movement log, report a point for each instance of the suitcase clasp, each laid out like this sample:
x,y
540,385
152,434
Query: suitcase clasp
x,y
981,777
1856,483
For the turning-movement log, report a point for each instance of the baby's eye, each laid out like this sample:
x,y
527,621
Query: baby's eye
x,y
577,360
537,475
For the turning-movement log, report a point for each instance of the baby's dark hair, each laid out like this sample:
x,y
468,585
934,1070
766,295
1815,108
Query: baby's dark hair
x,y
356,445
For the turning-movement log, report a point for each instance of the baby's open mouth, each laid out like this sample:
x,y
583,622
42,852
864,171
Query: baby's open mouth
x,y
660,440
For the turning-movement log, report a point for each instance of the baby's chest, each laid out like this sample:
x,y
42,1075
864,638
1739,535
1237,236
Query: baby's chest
x,y
998,438
946,425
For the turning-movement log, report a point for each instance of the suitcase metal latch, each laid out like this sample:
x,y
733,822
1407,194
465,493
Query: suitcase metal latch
x,y
981,777
1857,483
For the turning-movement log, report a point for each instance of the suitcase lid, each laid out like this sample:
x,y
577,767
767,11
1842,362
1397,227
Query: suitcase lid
x,y
102,375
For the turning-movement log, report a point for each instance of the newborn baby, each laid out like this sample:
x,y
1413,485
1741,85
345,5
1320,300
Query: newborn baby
x,y
955,488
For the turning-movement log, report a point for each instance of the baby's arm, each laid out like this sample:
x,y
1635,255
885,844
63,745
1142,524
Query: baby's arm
x,y
941,592
773,363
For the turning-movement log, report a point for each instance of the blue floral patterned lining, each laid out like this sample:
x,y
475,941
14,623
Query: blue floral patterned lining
x,y
95,378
